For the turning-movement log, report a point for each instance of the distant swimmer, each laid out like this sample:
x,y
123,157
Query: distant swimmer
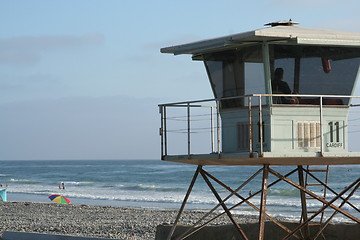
x,y
62,186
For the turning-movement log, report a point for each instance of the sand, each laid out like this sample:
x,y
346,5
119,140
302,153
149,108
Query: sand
x,y
123,223
92,221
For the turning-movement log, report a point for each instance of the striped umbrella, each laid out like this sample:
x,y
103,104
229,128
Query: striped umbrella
x,y
59,199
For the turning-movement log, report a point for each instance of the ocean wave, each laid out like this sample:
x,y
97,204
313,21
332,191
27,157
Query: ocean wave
x,y
292,217
163,194
27,181
78,183
138,197
354,196
113,186
284,192
3,175
144,187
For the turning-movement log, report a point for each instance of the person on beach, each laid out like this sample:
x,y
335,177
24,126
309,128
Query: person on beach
x,y
62,186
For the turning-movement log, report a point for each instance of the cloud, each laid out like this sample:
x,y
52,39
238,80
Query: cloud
x,y
50,42
18,87
15,57
303,3
27,49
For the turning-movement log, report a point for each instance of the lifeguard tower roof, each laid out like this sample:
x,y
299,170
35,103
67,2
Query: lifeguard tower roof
x,y
280,33
282,95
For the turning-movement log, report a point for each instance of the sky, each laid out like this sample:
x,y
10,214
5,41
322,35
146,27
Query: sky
x,y
81,79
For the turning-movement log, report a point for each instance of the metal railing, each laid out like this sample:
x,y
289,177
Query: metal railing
x,y
212,126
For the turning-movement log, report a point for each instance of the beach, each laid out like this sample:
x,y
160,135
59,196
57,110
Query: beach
x,y
135,223
92,221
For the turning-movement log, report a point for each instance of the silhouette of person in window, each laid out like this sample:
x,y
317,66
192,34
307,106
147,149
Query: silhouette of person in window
x,y
280,87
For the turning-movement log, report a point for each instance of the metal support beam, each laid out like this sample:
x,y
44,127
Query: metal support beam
x,y
331,217
304,224
190,231
330,189
324,207
304,217
262,216
238,227
327,203
234,192
262,210
184,202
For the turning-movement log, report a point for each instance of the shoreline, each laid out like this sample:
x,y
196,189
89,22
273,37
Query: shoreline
x,y
94,221
43,198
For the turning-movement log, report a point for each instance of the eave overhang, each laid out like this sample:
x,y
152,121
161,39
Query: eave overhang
x,y
277,34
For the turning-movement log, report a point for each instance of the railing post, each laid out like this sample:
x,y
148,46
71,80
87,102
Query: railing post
x,y
218,125
261,127
212,129
250,126
165,131
188,128
321,128
161,131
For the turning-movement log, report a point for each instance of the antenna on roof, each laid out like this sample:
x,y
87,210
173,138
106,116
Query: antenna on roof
x,y
281,23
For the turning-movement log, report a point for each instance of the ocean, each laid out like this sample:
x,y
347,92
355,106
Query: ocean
x,y
160,185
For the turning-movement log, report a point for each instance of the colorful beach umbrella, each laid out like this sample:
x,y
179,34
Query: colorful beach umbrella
x,y
59,199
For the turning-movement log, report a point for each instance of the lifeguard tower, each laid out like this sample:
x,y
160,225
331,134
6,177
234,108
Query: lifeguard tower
x,y
282,96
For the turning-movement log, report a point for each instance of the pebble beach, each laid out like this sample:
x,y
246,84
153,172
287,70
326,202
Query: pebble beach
x,y
92,221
